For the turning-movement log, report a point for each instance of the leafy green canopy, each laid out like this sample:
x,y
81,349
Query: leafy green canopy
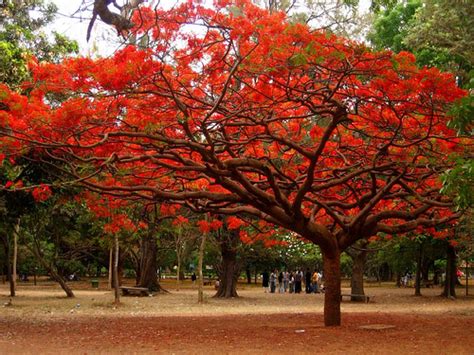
x,y
23,34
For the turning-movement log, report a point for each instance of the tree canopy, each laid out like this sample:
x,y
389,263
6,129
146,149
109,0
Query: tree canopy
x,y
234,111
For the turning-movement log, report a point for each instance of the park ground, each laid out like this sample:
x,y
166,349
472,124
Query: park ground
x,y
40,320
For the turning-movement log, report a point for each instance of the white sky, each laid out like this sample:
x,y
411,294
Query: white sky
x,y
104,40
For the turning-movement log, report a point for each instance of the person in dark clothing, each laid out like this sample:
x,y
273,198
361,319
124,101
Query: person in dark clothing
x,y
298,280
280,282
307,281
265,280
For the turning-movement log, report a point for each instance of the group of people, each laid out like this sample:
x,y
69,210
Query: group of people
x,y
293,281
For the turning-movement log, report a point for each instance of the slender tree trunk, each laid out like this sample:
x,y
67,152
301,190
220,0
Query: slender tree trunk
x,y
52,271
229,268
6,246
116,272
16,234
466,274
200,262
399,280
359,258
178,270
61,281
450,282
148,266
419,261
111,267
332,284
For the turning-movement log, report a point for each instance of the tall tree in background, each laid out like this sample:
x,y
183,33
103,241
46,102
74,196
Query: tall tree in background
x,y
23,34
440,32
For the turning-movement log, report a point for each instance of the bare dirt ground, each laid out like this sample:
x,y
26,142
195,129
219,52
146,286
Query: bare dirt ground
x,y
42,321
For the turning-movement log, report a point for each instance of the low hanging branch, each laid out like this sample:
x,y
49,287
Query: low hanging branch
x,y
120,21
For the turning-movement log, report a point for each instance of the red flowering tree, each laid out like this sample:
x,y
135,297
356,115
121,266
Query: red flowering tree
x,y
234,111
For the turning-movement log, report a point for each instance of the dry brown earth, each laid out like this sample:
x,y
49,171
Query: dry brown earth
x,y
41,320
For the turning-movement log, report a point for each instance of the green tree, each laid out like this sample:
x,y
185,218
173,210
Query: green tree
x,y
23,34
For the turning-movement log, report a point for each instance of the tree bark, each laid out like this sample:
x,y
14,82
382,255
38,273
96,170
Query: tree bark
x,y
359,258
111,267
52,270
200,262
332,284
466,274
229,268
419,261
16,233
148,265
61,281
249,275
116,273
450,282
6,246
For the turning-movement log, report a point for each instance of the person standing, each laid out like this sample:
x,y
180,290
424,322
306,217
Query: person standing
x,y
273,280
265,279
286,279
307,281
314,281
298,280
280,282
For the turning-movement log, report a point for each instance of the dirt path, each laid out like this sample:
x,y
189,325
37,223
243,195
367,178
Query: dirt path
x,y
258,334
42,321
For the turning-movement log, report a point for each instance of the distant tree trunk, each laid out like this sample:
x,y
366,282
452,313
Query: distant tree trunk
x,y
116,272
466,274
229,268
6,247
16,234
426,265
249,275
111,267
332,284
51,269
399,280
178,270
450,282
358,255
60,280
200,262
148,264
419,261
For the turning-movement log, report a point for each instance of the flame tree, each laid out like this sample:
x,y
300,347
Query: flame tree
x,y
234,111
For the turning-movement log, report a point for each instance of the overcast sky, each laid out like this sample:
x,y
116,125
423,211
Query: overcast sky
x,y
69,23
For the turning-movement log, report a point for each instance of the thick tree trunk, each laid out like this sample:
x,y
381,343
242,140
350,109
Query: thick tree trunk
x,y
450,282
359,258
229,268
148,265
332,284
419,261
